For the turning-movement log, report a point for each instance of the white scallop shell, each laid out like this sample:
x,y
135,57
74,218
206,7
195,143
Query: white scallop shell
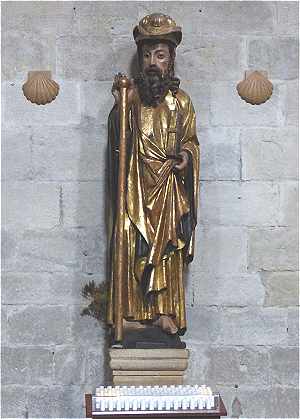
x,y
39,88
255,89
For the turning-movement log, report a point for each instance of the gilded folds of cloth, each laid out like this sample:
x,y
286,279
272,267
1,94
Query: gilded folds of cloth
x,y
161,207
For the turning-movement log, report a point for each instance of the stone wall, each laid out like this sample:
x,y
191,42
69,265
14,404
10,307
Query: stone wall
x,y
242,288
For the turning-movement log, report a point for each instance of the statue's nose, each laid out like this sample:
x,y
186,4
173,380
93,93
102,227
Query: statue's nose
x,y
152,60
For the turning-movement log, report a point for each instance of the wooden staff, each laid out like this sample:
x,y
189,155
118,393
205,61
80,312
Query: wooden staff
x,y
123,85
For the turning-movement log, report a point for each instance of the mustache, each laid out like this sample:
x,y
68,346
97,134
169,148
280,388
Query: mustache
x,y
153,85
153,70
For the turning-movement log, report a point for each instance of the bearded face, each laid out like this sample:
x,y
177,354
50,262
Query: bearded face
x,y
157,75
152,86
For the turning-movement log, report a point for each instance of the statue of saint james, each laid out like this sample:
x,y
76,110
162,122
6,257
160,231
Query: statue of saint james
x,y
153,171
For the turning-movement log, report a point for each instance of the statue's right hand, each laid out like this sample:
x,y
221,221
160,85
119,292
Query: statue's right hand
x,y
115,89
116,93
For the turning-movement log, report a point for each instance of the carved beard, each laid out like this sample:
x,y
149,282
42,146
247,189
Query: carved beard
x,y
152,85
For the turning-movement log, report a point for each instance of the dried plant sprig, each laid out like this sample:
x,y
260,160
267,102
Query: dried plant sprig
x,y
97,294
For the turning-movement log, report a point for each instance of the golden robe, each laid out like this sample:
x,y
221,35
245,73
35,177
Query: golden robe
x,y
161,207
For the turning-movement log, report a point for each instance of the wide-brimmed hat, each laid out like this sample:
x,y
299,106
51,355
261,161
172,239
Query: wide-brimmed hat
x,y
157,27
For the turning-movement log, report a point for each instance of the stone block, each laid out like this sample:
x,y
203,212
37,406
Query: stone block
x,y
203,325
53,20
84,204
289,204
282,288
85,57
38,325
96,366
209,289
85,328
148,373
220,18
239,203
212,58
67,153
284,366
43,287
9,243
219,153
16,154
56,250
290,104
125,53
140,354
253,401
293,326
277,56
239,365
97,101
261,401
24,51
220,249
253,326
228,109
101,18
147,380
200,95
134,362
57,19
148,364
3,324
269,154
55,402
18,111
34,205
13,401
69,365
284,402
27,366
196,372
121,24
287,18
273,249
13,10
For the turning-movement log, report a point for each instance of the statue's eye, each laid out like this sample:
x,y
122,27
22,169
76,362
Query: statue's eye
x,y
161,56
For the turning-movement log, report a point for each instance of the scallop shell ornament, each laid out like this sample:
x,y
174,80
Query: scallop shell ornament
x,y
39,88
255,89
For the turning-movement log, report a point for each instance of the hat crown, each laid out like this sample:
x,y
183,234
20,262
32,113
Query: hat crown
x,y
157,21
157,26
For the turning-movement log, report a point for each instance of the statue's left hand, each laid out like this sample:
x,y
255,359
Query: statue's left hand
x,y
185,159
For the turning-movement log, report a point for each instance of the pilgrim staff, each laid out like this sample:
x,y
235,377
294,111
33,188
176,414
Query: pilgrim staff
x,y
122,85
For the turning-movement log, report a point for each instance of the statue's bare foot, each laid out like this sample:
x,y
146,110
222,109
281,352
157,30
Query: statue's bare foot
x,y
133,325
166,324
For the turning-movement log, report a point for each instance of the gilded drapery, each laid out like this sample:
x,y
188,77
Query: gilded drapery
x,y
161,207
